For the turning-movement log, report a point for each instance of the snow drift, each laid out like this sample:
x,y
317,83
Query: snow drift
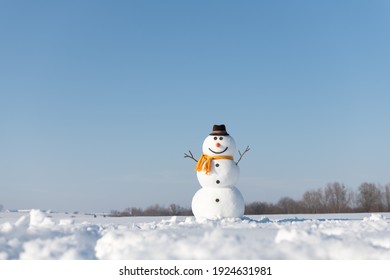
x,y
37,235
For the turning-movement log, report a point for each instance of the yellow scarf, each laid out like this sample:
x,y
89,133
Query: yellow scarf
x,y
204,162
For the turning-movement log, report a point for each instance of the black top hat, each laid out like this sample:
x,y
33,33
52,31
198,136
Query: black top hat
x,y
219,130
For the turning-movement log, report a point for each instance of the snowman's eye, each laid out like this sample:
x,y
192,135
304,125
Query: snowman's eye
x,y
215,138
220,138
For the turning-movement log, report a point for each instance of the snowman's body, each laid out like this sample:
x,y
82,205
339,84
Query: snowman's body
x,y
224,174
213,203
218,174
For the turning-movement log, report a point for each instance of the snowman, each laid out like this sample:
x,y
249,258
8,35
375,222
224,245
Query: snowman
x,y
218,174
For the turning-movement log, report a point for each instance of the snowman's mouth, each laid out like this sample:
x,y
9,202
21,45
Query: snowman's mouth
x,y
218,152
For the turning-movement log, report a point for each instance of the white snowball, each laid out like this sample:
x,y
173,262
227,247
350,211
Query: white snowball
x,y
219,145
224,174
217,203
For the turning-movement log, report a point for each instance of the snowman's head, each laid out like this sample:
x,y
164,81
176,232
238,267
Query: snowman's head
x,y
219,145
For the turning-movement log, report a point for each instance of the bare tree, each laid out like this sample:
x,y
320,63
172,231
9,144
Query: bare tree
x,y
336,197
258,207
173,208
369,197
386,197
288,205
313,201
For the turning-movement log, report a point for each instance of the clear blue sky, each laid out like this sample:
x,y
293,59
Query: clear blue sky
x,y
100,99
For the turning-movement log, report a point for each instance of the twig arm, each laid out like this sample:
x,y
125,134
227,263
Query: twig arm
x,y
191,156
242,154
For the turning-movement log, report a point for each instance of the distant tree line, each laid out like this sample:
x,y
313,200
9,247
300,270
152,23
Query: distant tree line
x,y
155,210
333,198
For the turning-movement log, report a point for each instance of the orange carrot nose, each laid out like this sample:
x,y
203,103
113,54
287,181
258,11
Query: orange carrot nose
x,y
217,144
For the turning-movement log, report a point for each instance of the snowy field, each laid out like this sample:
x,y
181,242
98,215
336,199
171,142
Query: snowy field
x,y
38,235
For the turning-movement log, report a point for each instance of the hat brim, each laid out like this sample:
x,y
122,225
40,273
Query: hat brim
x,y
219,133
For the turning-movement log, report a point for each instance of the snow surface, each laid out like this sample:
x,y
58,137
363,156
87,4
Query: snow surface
x,y
39,235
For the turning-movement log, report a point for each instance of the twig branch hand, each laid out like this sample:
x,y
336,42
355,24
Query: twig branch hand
x,y
242,154
190,156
